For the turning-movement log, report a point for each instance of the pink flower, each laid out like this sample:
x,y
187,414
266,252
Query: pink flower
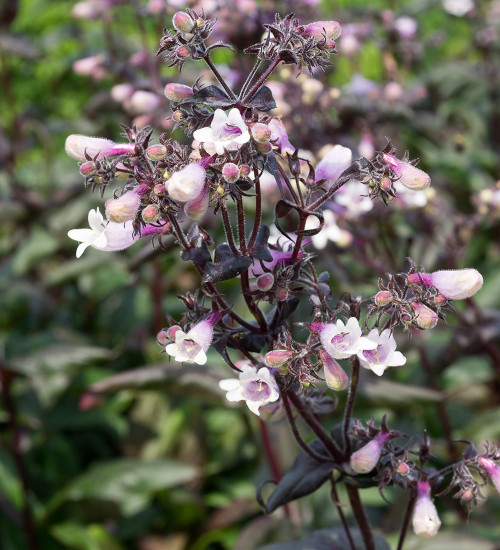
x,y
426,522
366,458
335,376
320,29
492,469
143,102
410,176
121,92
186,184
255,387
455,284
336,160
124,208
192,346
77,145
340,340
424,317
384,354
227,131
279,136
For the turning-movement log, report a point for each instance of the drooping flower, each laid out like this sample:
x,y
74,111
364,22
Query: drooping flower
x,y
186,184
108,236
77,145
124,208
336,160
279,136
257,387
227,131
191,347
341,340
410,176
493,470
335,376
383,355
197,208
426,522
366,458
455,284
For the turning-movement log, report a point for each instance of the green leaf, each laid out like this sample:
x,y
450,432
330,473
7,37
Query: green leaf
x,y
127,482
78,537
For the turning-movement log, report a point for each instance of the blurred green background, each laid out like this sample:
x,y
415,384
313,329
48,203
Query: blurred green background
x,y
158,461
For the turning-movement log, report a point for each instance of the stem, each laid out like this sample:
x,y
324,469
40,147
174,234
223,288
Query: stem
x,y
302,444
337,185
262,79
336,501
353,385
251,74
227,228
289,185
218,76
258,214
316,427
300,238
360,515
27,517
241,225
257,313
406,522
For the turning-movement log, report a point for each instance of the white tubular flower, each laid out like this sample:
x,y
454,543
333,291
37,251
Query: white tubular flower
x,y
336,160
228,131
192,346
90,237
383,355
410,176
426,522
341,340
255,387
455,284
77,145
186,184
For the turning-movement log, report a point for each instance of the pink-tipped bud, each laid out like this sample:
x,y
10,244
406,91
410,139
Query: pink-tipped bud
x,y
319,29
493,470
244,170
426,522
183,52
385,183
335,376
366,458
383,298
89,401
265,282
198,207
403,469
264,148
178,92
261,132
282,294
124,208
410,176
186,184
230,172
122,92
278,357
172,330
156,152
159,189
77,146
183,22
143,102
439,299
87,168
424,317
162,338
177,116
455,284
151,213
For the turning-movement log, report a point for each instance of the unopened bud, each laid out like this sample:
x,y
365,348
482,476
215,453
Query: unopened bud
x,y
265,282
439,299
264,148
177,116
124,208
278,357
183,22
162,338
230,172
455,284
151,213
383,298
183,52
156,152
424,317
385,183
282,294
159,189
493,470
335,376
178,92
198,207
366,458
403,469
172,330
244,170
320,29
87,168
410,176
261,132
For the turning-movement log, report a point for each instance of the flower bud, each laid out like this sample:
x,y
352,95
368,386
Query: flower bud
x,y
162,338
230,172
124,208
319,29
178,92
89,400
87,168
77,146
282,294
151,213
143,102
159,189
383,298
198,207
335,376
186,184
493,470
156,152
426,522
278,357
261,132
410,176
183,52
366,458
439,299
177,116
455,284
424,317
122,92
244,170
183,22
385,183
172,330
264,148
403,469
265,282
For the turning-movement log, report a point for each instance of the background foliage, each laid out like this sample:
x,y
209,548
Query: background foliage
x,y
160,461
